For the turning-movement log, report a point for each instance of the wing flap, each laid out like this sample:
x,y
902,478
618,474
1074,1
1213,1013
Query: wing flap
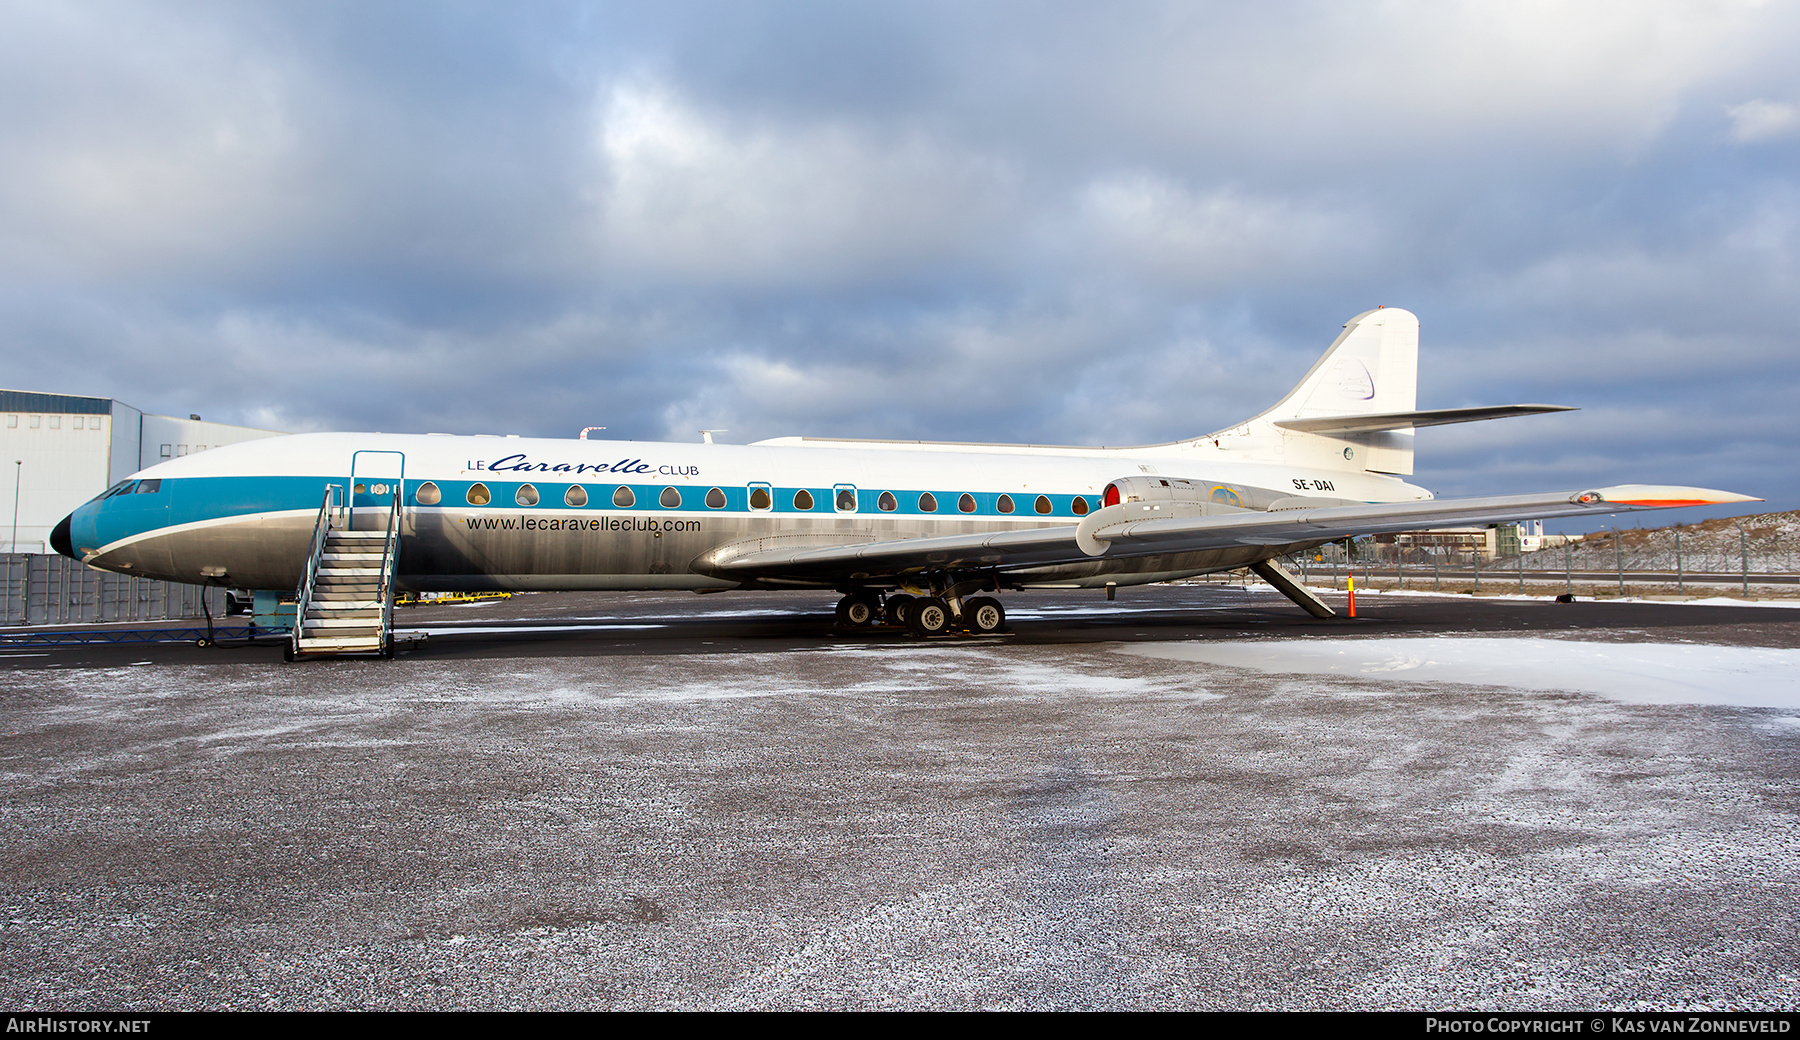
x,y
1111,530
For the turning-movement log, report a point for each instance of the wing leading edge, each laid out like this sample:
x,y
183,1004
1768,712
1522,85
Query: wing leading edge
x,y
1112,533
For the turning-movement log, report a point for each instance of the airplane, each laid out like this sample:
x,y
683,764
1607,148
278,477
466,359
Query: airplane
x,y
916,533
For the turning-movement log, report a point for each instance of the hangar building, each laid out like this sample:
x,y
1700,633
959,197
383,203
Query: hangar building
x,y
64,450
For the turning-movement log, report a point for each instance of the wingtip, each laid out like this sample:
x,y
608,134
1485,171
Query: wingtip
x,y
1661,496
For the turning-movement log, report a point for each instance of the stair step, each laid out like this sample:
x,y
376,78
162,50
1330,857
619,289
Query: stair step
x,y
341,626
338,606
338,645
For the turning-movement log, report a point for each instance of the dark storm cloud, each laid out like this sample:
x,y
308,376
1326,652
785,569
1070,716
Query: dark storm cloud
x,y
1033,222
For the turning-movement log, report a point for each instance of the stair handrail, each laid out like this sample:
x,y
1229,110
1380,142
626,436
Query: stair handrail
x,y
390,561
303,594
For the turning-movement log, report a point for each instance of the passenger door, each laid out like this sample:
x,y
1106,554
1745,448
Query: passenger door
x,y
375,478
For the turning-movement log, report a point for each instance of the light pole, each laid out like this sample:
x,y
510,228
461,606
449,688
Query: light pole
x,y
18,469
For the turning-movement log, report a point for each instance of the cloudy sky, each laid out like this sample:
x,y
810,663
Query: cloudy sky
x,y
1074,223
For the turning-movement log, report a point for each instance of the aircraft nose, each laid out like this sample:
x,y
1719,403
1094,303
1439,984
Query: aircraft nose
x,y
59,539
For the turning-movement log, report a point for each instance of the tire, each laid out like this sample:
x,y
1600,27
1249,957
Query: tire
x,y
983,615
896,608
928,616
857,610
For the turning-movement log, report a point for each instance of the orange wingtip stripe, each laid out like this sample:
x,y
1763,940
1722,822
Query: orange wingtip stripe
x,y
1664,502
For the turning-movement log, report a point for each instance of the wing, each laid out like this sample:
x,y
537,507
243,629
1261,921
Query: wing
x,y
1112,534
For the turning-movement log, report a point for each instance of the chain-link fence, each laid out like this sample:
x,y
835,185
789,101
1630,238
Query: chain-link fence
x,y
55,590
1747,556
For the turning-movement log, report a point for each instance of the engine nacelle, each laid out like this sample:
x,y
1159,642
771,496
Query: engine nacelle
x,y
1157,498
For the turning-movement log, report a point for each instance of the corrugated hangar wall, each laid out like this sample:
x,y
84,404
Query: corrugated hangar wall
x,y
63,450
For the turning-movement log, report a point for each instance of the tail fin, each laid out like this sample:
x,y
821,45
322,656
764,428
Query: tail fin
x,y
1371,369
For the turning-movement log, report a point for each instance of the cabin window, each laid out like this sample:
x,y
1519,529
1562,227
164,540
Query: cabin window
x,y
715,499
966,504
846,500
670,498
623,498
803,499
927,503
1081,506
760,497
360,489
526,495
1043,504
428,494
887,503
576,496
478,495
149,487
1005,504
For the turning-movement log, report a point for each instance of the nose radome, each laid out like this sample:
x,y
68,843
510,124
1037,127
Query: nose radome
x,y
59,539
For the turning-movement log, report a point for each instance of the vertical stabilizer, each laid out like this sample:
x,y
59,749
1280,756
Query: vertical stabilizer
x,y
1372,368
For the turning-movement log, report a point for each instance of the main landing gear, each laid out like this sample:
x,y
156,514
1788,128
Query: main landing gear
x,y
924,615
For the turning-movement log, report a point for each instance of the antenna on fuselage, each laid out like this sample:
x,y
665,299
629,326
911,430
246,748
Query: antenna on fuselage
x,y
585,430
706,435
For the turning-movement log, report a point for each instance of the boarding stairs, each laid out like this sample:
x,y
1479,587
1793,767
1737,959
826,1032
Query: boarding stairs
x,y
345,603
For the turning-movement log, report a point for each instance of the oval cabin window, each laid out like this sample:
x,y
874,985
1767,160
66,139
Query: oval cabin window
x,y
846,500
478,495
576,496
671,498
887,503
928,503
715,499
759,498
1005,503
427,494
803,499
526,495
1043,504
966,504
1081,506
623,498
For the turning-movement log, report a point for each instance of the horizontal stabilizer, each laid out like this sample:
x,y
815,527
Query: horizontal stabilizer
x,y
1413,420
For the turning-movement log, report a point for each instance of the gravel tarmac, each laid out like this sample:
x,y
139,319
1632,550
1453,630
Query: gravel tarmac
x,y
974,824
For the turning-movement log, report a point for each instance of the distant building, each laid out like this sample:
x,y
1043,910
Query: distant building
x,y
64,450
1496,541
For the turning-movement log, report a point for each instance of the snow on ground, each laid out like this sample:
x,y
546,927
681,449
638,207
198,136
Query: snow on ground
x,y
1634,673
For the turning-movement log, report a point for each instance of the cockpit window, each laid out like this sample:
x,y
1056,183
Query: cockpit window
x,y
149,487
123,487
